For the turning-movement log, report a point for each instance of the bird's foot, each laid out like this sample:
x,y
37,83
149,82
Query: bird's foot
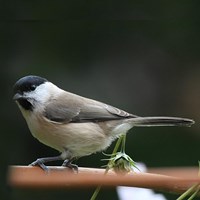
x,y
39,162
73,167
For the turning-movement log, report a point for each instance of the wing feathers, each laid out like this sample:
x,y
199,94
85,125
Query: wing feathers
x,y
80,109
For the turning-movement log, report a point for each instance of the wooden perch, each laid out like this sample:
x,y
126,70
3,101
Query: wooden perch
x,y
59,177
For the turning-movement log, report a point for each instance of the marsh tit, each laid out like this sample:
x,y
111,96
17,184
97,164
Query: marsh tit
x,y
74,125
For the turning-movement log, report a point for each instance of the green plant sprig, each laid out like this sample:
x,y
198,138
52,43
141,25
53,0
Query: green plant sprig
x,y
119,161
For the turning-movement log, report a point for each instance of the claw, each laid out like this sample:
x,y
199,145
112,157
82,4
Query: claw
x,y
39,163
67,163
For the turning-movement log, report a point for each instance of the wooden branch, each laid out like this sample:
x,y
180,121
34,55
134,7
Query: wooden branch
x,y
183,172
59,177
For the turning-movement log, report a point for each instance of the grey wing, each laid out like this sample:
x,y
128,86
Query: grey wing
x,y
60,113
93,111
99,113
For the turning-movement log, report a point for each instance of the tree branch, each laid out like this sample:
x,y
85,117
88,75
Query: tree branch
x,y
59,177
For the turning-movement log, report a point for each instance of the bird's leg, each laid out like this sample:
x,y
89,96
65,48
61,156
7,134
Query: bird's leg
x,y
68,163
40,161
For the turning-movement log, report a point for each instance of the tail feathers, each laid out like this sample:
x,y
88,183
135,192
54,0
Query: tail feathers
x,y
161,121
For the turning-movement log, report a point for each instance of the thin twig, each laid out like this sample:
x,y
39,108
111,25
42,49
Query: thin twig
x,y
97,190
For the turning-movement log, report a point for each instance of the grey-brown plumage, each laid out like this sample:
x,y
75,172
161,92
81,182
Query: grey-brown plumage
x,y
79,111
74,125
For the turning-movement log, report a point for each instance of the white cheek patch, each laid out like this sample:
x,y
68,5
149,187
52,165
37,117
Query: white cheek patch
x,y
43,92
40,93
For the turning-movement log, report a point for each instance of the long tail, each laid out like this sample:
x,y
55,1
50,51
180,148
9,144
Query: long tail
x,y
161,121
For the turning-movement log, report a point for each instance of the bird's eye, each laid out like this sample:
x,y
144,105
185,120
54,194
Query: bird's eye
x,y
32,87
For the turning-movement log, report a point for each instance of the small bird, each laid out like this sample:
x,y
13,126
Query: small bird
x,y
74,125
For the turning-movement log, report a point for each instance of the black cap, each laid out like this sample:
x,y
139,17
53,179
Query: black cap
x,y
28,83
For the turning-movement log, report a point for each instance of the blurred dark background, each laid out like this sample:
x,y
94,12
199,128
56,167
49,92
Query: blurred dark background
x,y
140,57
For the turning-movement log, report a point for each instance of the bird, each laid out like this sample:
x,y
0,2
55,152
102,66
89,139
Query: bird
x,y
74,125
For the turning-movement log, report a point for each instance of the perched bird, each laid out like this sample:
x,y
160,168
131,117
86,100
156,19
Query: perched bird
x,y
74,125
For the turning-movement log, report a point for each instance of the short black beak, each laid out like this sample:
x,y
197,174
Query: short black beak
x,y
17,96
23,101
